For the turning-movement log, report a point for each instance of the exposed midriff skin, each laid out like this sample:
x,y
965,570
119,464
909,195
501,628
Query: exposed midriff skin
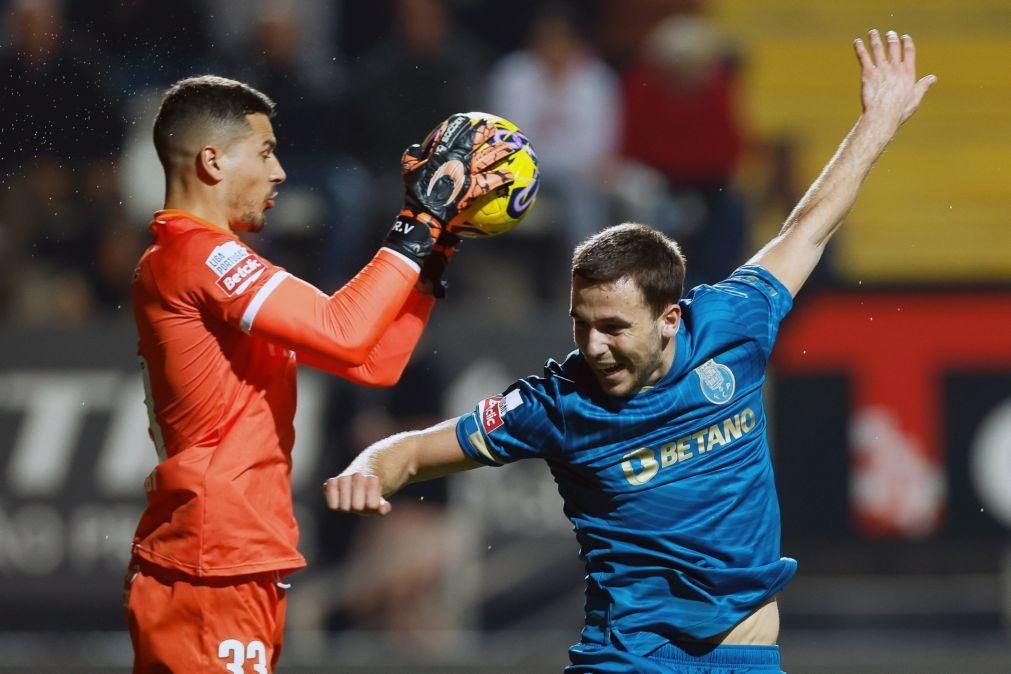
x,y
761,628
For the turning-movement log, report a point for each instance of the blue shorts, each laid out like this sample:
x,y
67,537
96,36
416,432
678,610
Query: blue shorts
x,y
675,659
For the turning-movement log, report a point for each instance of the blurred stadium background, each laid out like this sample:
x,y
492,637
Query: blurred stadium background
x,y
889,393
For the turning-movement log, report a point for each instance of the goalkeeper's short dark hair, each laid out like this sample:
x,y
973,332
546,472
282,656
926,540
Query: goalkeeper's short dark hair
x,y
207,99
648,257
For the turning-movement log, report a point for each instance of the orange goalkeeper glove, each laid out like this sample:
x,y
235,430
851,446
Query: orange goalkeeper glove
x,y
442,177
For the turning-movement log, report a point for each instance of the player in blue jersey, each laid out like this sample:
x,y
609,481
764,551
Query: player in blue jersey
x,y
655,430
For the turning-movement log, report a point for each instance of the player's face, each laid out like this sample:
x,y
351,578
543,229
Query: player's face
x,y
626,345
253,173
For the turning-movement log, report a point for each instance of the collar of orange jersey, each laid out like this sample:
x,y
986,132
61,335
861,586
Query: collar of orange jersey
x,y
167,214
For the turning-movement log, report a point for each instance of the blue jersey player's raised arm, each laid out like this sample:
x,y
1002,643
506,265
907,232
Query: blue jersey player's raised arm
x,y
655,429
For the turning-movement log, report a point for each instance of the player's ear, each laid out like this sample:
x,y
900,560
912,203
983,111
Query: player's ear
x,y
208,164
670,319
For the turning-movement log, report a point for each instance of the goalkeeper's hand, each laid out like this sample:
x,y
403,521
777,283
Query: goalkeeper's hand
x,y
444,176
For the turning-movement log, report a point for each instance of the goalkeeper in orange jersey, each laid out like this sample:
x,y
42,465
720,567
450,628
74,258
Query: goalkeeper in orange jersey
x,y
221,330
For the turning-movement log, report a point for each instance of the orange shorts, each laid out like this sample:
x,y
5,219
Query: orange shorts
x,y
183,624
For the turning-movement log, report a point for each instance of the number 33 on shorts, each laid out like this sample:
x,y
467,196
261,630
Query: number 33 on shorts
x,y
254,653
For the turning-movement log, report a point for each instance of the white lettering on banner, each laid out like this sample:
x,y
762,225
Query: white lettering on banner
x,y
100,536
32,540
124,460
92,538
309,420
54,407
990,463
84,537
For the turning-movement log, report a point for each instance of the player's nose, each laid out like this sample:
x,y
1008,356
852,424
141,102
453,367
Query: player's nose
x,y
278,176
596,344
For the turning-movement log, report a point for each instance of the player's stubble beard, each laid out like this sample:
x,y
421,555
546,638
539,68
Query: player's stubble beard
x,y
640,366
254,221
252,218
650,365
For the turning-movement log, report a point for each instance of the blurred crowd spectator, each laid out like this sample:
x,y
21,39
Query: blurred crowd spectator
x,y
682,120
630,106
565,98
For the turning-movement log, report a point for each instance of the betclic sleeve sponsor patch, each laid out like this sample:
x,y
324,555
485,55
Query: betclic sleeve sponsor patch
x,y
521,423
235,266
492,409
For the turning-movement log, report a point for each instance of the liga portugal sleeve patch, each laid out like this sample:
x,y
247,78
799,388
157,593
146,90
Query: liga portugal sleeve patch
x,y
235,266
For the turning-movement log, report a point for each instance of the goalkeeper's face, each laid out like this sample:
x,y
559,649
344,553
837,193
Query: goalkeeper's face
x,y
625,343
253,173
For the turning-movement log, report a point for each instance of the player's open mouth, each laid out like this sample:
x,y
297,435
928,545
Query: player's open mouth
x,y
610,371
270,200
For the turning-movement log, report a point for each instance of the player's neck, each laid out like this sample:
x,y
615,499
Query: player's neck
x,y
182,197
666,361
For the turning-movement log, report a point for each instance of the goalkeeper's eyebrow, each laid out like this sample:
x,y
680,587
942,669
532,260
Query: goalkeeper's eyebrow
x,y
269,144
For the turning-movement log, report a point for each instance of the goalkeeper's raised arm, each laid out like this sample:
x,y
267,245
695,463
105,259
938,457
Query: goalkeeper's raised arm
x,y
341,333
890,94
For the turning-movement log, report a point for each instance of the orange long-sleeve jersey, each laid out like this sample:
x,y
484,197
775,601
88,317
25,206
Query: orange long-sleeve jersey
x,y
220,332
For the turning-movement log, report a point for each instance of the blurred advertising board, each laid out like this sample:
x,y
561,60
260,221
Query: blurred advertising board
x,y
74,452
893,414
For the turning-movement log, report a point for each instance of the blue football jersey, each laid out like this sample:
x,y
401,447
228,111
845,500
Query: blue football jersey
x,y
670,491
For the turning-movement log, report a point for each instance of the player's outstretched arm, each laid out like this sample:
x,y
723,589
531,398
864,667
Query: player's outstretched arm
x,y
386,466
890,94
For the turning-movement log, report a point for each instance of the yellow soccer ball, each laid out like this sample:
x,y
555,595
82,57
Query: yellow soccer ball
x,y
501,210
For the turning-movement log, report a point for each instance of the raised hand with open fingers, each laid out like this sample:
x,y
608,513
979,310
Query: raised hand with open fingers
x,y
889,88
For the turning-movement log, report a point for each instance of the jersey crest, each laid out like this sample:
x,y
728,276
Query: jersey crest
x,y
717,382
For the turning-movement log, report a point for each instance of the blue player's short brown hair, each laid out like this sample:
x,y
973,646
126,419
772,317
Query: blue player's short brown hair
x,y
641,253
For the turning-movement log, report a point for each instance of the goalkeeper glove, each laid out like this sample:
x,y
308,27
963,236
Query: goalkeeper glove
x,y
443,177
432,270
